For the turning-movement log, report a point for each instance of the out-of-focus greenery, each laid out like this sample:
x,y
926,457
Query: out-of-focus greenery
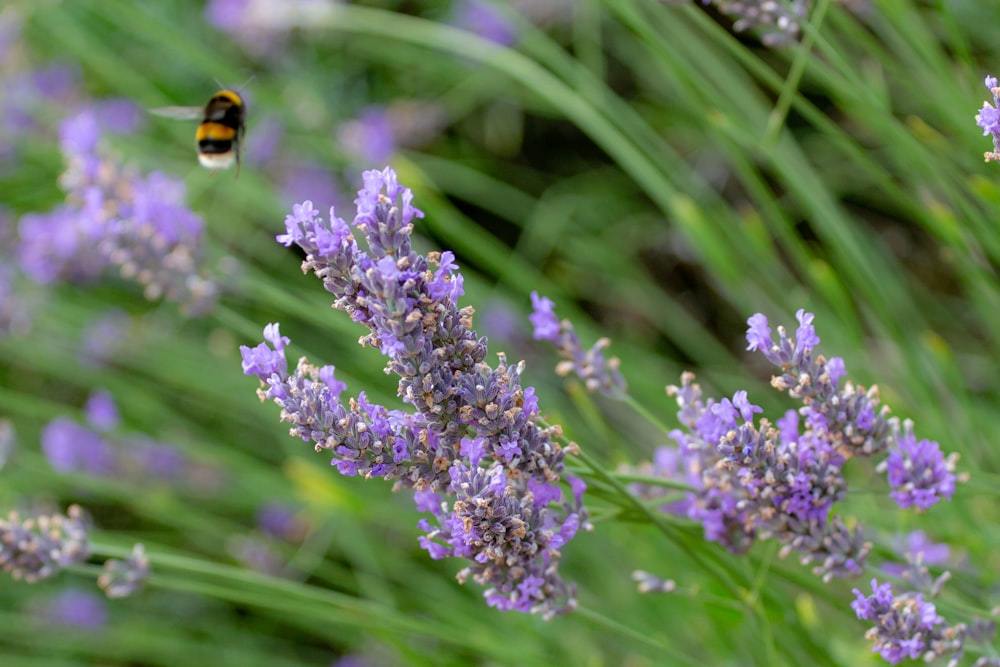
x,y
659,178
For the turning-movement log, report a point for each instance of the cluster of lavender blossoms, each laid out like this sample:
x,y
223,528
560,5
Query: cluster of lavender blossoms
x,y
988,119
778,22
761,481
38,547
596,372
116,218
470,447
96,449
749,479
906,626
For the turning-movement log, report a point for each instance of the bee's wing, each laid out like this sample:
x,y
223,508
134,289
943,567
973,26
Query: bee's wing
x,y
179,113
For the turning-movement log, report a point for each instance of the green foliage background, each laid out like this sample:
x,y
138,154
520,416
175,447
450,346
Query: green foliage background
x,y
661,179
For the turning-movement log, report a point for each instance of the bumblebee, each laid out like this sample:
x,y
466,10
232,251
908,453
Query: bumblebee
x,y
223,124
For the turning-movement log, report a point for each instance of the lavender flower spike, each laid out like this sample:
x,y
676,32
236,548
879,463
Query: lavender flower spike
x,y
470,444
597,372
908,627
988,119
116,218
902,625
37,548
918,471
121,578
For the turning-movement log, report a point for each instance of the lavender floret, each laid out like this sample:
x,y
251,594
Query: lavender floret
x,y
988,119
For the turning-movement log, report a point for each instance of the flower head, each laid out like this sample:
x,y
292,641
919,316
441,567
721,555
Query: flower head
x,y
597,372
484,19
918,471
37,547
471,431
116,218
76,608
988,118
121,578
904,625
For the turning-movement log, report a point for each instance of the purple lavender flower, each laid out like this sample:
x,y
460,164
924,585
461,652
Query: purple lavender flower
x,y
369,137
756,481
597,372
904,624
511,542
919,546
849,415
27,92
70,447
119,115
919,553
918,471
472,432
101,411
142,458
304,179
261,26
75,608
988,119
114,218
121,578
280,522
38,547
103,338
486,20
544,319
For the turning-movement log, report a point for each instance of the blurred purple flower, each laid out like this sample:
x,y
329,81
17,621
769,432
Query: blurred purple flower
x,y
76,608
37,547
261,26
265,138
484,19
103,338
597,372
101,411
918,544
70,447
280,522
369,137
119,115
121,578
154,460
310,180
116,218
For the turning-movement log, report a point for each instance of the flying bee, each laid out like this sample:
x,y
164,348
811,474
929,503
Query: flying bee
x,y
223,124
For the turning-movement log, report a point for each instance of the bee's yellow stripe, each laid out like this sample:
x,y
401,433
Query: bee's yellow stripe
x,y
232,96
214,132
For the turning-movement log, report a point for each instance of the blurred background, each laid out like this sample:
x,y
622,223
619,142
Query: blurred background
x,y
658,174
